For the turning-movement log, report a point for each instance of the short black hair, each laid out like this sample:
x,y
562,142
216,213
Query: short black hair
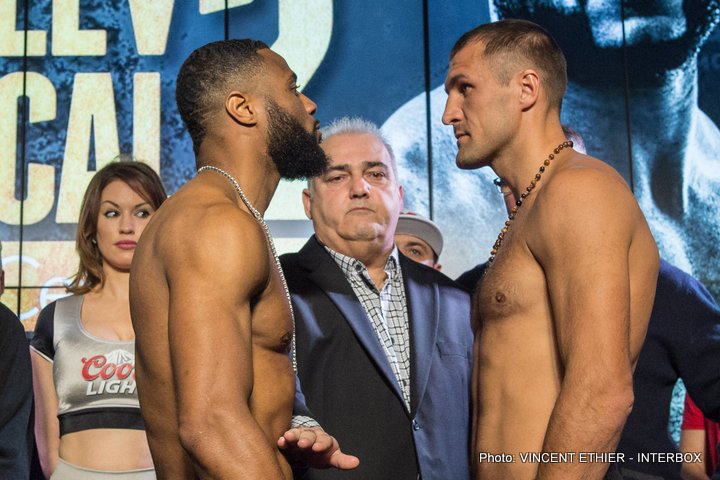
x,y
208,74
512,43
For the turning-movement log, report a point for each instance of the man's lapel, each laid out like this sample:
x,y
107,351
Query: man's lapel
x,y
423,315
326,274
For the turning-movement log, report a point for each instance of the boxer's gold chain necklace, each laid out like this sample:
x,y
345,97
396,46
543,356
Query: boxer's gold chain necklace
x,y
523,196
269,238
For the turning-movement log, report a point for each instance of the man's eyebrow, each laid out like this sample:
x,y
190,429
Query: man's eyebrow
x,y
343,167
417,243
451,81
373,164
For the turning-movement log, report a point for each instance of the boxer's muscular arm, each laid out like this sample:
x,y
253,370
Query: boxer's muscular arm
x,y
213,275
585,226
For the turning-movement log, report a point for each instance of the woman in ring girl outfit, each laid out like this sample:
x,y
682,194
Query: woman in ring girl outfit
x,y
87,419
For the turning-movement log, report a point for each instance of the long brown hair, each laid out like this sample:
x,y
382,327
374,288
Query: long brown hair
x,y
138,176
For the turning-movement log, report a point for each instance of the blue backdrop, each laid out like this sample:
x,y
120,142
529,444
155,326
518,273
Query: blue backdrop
x,y
84,80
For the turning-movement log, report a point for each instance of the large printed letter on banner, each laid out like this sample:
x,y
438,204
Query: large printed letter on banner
x,y
41,178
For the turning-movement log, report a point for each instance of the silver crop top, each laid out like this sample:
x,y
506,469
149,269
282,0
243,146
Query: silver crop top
x,y
94,378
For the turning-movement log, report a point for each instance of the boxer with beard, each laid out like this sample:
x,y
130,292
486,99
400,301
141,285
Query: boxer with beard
x,y
209,304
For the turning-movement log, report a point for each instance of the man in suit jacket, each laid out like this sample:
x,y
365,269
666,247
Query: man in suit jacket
x,y
384,345
16,394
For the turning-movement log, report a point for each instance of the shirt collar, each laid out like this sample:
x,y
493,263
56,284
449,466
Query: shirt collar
x,y
351,266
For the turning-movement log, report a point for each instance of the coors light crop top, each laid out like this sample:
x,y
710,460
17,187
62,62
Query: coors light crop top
x,y
94,378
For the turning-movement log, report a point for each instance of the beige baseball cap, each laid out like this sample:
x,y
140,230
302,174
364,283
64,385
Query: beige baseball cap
x,y
411,223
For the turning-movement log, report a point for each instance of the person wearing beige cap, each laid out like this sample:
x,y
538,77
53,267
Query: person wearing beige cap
x,y
419,239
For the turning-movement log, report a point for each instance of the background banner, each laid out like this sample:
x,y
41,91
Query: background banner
x,y
82,81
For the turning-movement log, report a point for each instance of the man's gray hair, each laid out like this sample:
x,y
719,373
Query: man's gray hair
x,y
345,125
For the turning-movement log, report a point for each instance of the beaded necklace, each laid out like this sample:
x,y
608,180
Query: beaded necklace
x,y
269,238
523,196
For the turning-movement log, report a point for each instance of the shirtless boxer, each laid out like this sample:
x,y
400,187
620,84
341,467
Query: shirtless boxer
x,y
212,318
564,306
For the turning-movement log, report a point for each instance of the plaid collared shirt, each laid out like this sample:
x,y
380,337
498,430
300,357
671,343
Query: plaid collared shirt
x,y
386,310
